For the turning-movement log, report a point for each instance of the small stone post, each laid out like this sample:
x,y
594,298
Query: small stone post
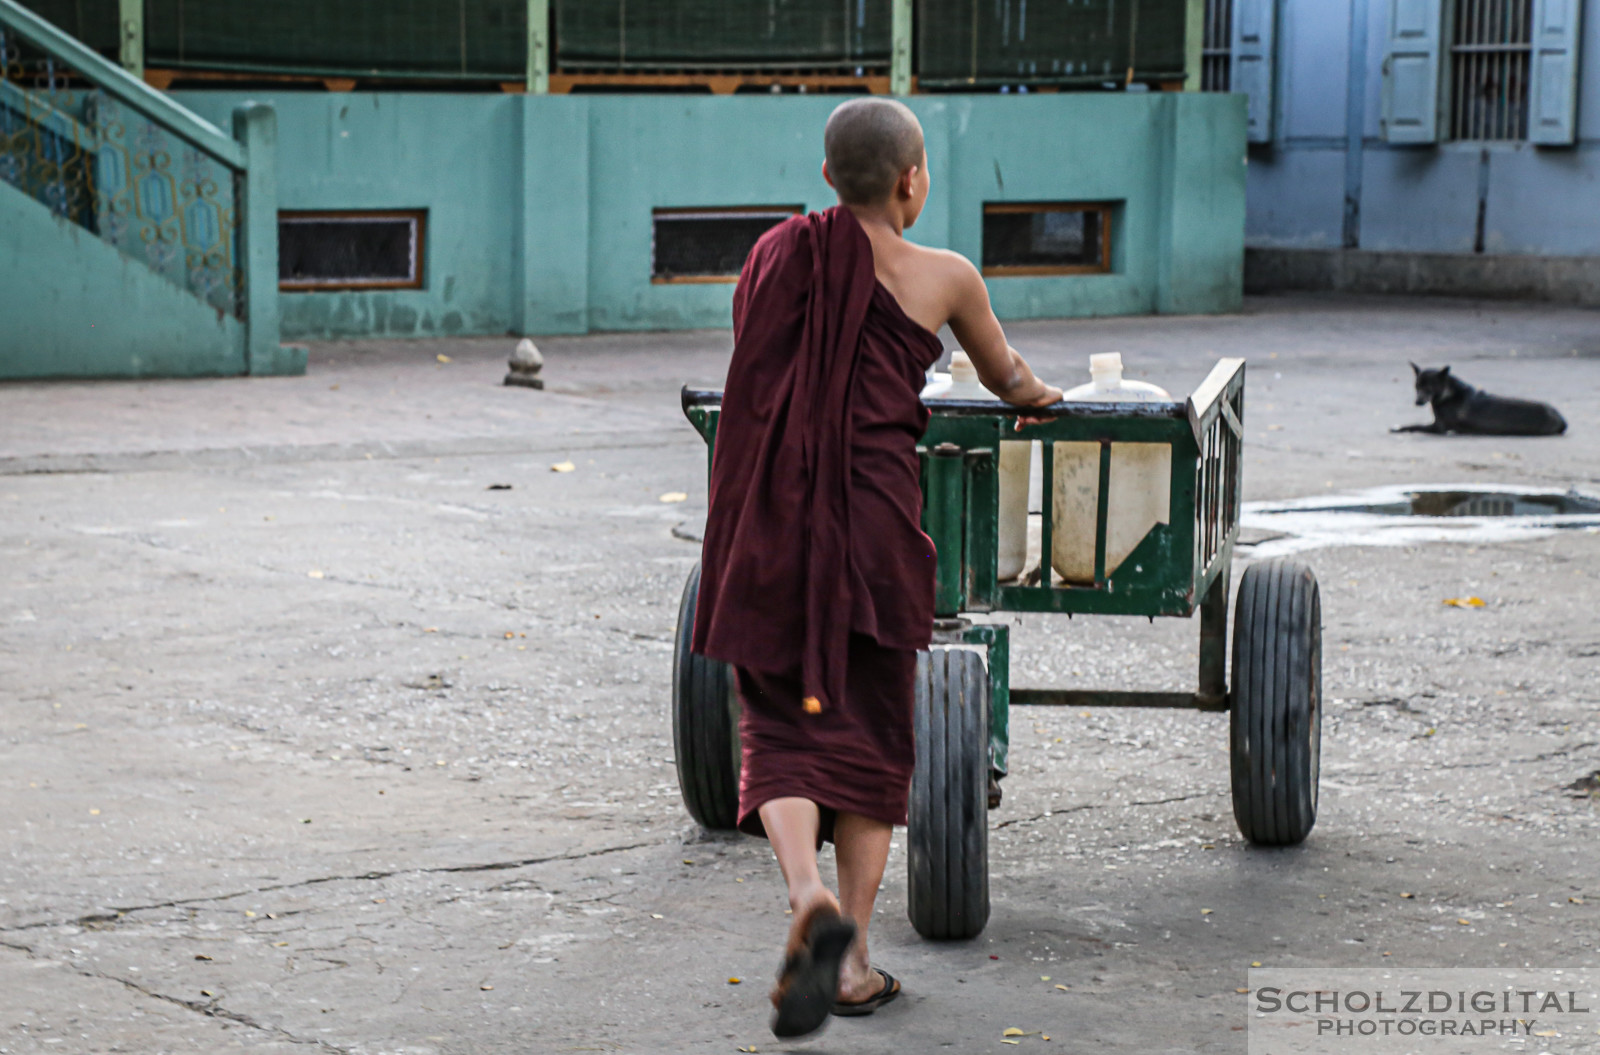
x,y
526,362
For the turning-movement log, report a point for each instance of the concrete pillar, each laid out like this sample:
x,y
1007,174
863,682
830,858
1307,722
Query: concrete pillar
x,y
255,126
1194,39
900,48
538,47
130,19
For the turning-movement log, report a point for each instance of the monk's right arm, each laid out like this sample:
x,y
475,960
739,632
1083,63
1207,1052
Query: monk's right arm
x,y
1001,367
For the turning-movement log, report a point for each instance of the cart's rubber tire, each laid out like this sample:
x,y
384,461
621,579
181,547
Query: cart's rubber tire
x,y
1275,722
948,835
705,724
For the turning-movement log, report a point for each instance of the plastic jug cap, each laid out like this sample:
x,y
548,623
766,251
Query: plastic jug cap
x,y
1106,369
961,369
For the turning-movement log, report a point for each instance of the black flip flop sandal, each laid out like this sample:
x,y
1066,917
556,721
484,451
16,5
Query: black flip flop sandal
x,y
890,990
809,981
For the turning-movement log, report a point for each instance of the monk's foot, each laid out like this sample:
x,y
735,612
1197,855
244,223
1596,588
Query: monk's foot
x,y
819,941
805,905
857,979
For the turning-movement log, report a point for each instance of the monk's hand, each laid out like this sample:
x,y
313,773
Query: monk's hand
x,y
1050,395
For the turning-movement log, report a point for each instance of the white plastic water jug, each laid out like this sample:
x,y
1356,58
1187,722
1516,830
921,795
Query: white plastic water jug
x,y
1141,480
1015,460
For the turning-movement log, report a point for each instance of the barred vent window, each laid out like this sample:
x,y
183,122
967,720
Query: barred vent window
x,y
1046,238
1490,46
351,250
1215,46
709,244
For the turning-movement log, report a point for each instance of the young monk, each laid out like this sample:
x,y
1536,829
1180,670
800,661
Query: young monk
x,y
817,581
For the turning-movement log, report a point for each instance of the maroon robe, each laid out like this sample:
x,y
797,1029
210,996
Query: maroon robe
x,y
816,579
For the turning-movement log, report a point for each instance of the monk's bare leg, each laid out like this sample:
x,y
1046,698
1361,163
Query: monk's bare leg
x,y
792,825
862,850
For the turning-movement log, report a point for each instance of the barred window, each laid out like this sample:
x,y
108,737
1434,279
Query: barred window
x,y
350,249
709,244
1046,238
1490,48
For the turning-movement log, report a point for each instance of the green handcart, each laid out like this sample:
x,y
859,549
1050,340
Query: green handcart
x,y
964,691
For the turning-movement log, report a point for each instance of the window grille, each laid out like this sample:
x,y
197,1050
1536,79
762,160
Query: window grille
x,y
1215,47
1046,238
709,244
350,250
1490,47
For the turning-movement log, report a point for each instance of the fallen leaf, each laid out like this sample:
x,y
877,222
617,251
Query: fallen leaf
x,y
657,915
1044,978
1274,428
1044,1036
1208,846
430,630
1255,963
250,914
1404,894
486,988
735,981
1546,1033
1464,922
443,358
94,813
674,496
1464,602
1083,714
562,467
1011,1042
1013,1031
1206,911
1061,987
314,573
1576,900
1242,990
279,944
510,635
206,992
751,1048
992,956
201,956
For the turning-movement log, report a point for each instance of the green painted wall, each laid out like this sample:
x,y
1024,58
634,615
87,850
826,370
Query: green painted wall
x,y
71,305
539,206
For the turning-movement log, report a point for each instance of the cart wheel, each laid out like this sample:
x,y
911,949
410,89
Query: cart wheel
x,y
1275,726
705,725
949,829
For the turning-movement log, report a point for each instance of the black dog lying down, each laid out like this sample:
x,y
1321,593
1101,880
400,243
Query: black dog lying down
x,y
1458,407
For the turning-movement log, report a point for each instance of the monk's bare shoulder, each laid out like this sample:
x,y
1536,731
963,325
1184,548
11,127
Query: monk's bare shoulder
x,y
947,277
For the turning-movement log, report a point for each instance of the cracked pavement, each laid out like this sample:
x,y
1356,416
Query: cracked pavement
x,y
310,740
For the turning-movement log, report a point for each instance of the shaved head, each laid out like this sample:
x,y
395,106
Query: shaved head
x,y
870,143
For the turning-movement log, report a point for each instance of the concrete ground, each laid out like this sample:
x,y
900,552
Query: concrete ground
x,y
310,736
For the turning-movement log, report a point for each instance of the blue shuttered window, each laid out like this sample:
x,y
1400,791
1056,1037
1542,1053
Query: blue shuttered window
x,y
1253,73
1411,72
1553,87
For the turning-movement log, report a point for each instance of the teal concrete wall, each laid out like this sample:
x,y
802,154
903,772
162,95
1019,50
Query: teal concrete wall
x,y
71,305
539,207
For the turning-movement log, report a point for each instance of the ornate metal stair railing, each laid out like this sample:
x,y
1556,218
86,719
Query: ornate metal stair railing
x,y
124,162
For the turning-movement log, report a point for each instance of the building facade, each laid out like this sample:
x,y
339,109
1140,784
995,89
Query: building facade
x,y
1430,146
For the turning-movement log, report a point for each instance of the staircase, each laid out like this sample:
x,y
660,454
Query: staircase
x,y
136,238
